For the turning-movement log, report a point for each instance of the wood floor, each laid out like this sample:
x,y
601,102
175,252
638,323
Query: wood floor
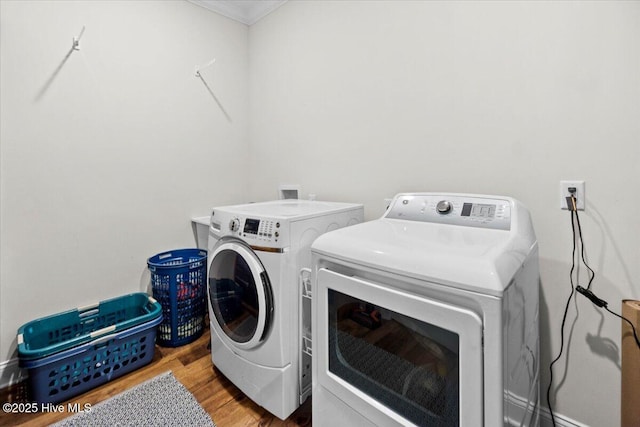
x,y
191,365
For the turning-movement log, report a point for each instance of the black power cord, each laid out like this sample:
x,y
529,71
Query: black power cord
x,y
600,303
564,320
586,292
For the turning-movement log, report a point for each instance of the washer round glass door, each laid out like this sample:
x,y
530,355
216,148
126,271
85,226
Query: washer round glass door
x,y
240,294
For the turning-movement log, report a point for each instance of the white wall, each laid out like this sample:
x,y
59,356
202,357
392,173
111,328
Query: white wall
x,y
122,148
357,101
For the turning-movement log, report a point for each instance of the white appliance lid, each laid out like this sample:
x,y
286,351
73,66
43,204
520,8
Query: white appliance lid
x,y
477,259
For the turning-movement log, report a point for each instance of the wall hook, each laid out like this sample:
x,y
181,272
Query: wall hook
x,y
213,95
76,40
75,45
210,63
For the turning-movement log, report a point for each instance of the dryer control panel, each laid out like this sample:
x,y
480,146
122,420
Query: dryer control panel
x,y
454,209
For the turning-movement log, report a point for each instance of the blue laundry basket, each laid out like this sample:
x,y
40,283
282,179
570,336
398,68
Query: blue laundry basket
x,y
77,350
178,281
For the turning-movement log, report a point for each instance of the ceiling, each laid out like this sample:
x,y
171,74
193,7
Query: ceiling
x,y
246,11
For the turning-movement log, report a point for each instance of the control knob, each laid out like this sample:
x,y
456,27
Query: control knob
x,y
444,207
234,224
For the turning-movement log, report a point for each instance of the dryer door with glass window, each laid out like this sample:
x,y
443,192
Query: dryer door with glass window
x,y
240,294
403,356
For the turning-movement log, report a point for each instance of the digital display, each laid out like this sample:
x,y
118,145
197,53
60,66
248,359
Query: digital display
x,y
476,210
251,225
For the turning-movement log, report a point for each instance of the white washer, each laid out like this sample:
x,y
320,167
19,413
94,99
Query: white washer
x,y
255,256
428,316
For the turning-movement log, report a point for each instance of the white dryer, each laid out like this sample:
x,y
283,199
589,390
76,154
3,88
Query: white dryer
x,y
428,316
255,256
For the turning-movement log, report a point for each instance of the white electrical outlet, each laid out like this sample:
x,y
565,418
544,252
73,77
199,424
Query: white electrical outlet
x,y
579,194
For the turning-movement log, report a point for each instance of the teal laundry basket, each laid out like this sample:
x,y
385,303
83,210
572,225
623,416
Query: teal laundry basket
x,y
178,282
77,350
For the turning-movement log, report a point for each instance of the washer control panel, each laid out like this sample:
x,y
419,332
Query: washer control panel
x,y
454,209
261,229
268,232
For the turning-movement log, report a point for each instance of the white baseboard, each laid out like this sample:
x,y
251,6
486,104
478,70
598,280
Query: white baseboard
x,y
520,412
10,373
561,420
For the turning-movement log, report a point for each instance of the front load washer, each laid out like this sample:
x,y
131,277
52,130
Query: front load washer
x,y
428,316
256,256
